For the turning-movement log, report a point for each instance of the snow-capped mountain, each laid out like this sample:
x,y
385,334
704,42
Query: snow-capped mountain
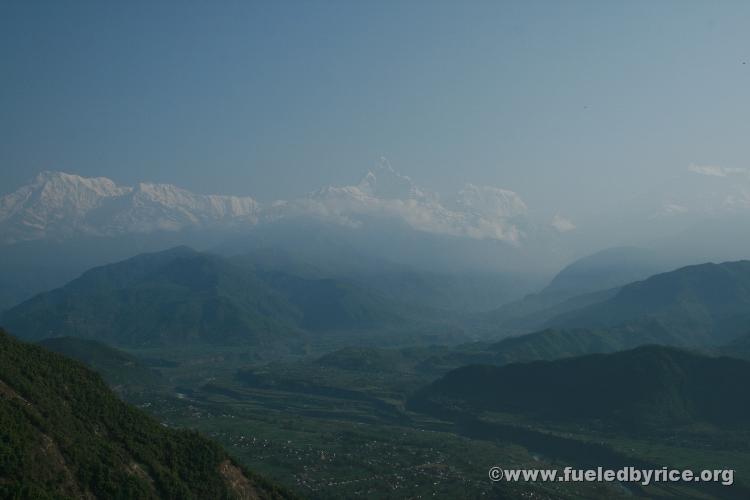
x,y
59,205
477,212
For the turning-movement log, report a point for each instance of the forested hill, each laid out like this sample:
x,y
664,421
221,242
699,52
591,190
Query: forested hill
x,y
706,304
64,434
181,296
649,385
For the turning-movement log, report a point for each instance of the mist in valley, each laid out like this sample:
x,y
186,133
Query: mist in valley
x,y
329,250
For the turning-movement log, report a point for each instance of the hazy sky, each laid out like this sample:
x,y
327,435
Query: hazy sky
x,y
571,104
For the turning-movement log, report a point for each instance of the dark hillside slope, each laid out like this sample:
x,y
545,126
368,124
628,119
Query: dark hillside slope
x,y
704,304
643,386
609,268
64,434
118,368
586,281
553,343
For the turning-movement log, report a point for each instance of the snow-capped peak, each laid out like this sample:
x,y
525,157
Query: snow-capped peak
x,y
58,181
58,204
385,182
53,199
480,212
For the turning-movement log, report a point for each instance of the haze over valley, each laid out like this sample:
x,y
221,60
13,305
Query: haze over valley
x,y
374,250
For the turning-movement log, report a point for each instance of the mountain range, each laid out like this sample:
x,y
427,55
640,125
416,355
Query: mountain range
x,y
60,225
588,280
703,304
180,295
703,307
57,205
262,297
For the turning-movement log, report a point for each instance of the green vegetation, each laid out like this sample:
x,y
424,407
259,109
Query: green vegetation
x,y
180,295
291,376
546,344
646,386
706,304
119,369
607,269
589,280
327,429
535,310
339,426
64,434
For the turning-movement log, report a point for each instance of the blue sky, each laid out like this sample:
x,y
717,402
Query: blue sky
x,y
574,105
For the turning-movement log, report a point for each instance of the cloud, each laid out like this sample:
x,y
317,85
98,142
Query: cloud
x,y
670,209
738,201
562,224
715,171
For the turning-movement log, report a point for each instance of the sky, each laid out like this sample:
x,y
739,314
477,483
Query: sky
x,y
573,105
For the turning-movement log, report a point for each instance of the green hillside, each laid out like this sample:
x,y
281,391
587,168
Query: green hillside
x,y
649,385
704,304
64,434
118,368
550,344
180,296
535,310
584,282
609,268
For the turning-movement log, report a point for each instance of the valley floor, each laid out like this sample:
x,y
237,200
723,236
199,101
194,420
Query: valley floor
x,y
333,433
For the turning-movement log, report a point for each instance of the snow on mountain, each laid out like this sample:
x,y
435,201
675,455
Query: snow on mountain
x,y
53,200
152,207
56,195
384,182
478,212
59,205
